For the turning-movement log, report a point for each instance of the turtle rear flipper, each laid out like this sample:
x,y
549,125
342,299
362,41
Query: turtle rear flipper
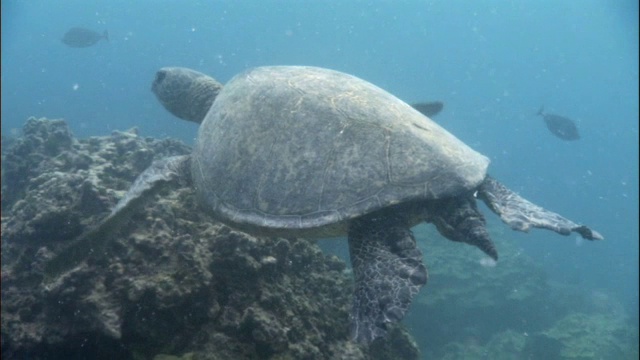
x,y
150,182
520,214
458,219
388,271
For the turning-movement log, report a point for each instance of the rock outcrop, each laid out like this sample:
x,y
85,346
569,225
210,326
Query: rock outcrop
x,y
174,283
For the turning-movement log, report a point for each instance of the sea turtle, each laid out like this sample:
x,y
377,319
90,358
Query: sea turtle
x,y
312,152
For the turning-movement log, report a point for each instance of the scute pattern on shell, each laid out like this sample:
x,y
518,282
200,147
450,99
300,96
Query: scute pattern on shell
x,y
309,148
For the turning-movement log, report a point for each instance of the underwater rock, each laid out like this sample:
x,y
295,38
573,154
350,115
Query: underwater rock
x,y
473,298
41,139
480,309
588,336
54,185
173,283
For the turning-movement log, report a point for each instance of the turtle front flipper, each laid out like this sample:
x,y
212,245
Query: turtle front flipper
x,y
144,187
520,214
388,271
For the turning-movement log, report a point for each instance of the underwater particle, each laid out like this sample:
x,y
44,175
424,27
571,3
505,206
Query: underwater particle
x,y
268,260
488,262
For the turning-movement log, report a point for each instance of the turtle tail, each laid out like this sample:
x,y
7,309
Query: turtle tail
x,y
458,219
540,111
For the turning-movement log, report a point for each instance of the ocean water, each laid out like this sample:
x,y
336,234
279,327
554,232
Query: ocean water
x,y
493,64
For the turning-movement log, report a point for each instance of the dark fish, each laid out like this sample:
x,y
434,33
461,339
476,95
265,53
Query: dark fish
x,y
560,126
78,37
429,109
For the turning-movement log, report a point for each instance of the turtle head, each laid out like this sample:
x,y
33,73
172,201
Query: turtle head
x,y
186,93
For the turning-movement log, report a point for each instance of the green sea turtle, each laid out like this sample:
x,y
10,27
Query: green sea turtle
x,y
312,152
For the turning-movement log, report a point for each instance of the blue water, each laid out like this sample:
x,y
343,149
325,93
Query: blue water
x,y
493,63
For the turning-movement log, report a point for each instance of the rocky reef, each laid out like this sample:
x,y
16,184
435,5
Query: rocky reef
x,y
173,284
474,308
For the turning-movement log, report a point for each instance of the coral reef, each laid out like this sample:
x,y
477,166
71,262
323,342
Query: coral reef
x,y
174,284
505,345
588,336
469,297
474,308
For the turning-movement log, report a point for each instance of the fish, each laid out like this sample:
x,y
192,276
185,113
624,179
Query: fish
x,y
79,37
560,126
429,109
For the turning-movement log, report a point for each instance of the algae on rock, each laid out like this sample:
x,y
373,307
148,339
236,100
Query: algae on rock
x,y
476,308
173,281
594,336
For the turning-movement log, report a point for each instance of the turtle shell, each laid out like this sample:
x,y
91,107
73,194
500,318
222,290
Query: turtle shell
x,y
288,148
